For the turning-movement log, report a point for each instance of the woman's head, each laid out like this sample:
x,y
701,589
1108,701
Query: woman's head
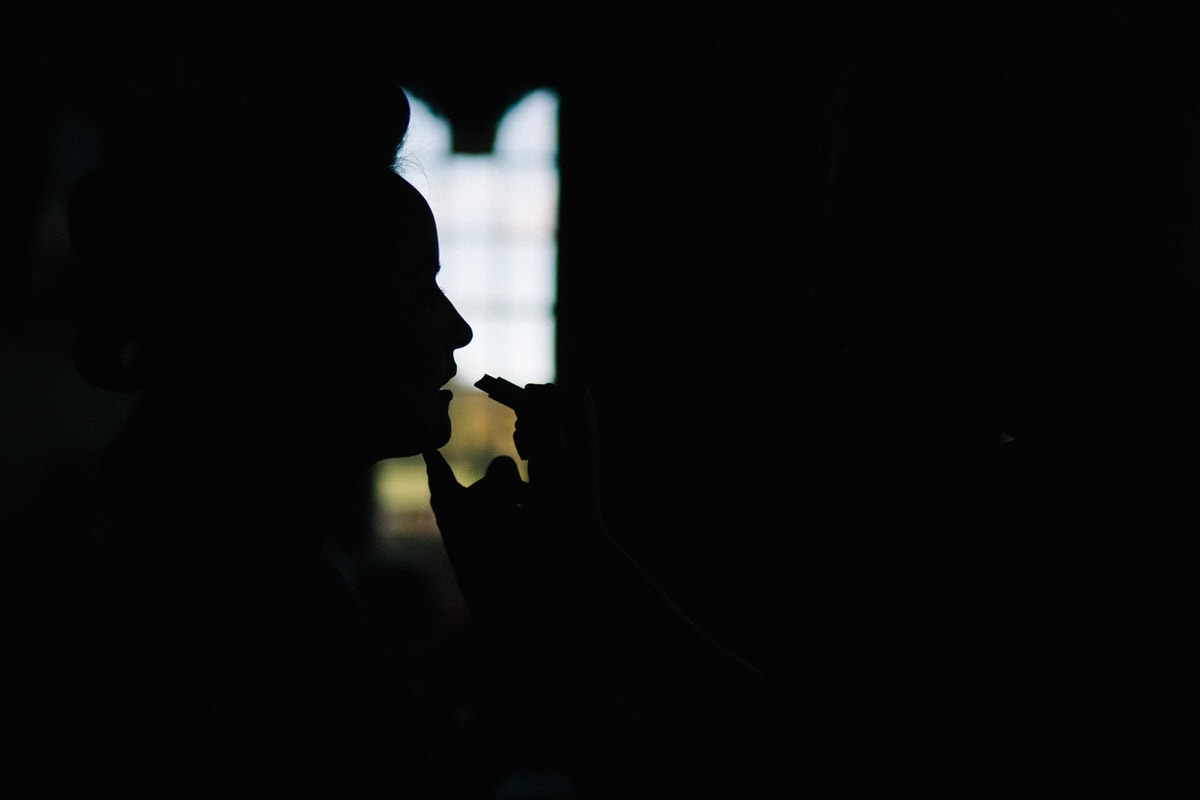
x,y
382,336
266,251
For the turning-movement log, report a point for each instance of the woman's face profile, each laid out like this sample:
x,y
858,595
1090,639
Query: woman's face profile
x,y
400,333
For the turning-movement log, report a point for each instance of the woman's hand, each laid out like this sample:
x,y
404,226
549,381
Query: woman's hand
x,y
522,553
537,567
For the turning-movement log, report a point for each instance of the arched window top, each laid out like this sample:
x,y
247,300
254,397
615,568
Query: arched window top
x,y
530,128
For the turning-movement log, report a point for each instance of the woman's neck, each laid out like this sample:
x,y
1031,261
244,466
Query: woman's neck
x,y
224,469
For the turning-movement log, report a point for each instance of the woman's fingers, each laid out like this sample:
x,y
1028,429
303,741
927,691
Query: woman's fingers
x,y
501,484
442,484
556,432
503,470
499,490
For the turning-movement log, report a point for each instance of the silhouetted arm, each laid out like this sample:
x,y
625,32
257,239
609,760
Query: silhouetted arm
x,y
537,566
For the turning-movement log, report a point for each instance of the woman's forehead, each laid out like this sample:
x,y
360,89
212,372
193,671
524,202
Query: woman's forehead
x,y
384,210
411,214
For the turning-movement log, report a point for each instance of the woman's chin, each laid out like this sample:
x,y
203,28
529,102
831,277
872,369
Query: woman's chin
x,y
440,439
398,430
413,442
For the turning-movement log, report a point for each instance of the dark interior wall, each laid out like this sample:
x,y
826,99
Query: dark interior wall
x,y
692,220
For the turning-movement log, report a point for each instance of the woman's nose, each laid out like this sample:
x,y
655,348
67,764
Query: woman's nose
x,y
458,332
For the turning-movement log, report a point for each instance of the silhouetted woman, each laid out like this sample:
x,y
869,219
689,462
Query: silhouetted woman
x,y
268,283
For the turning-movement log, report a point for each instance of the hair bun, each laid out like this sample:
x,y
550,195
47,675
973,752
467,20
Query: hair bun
x,y
348,121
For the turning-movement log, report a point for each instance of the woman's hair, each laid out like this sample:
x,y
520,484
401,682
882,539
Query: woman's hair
x,y
210,205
